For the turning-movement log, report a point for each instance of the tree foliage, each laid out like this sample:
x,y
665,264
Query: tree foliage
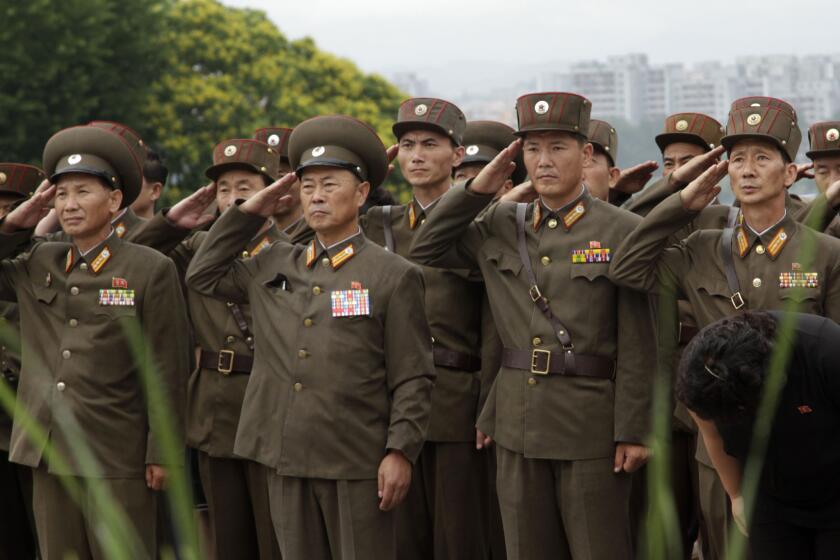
x,y
185,74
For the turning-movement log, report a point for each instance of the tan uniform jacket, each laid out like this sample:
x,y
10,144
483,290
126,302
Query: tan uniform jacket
x,y
328,395
77,359
453,310
556,416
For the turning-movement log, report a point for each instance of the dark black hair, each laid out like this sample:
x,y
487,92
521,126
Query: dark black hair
x,y
380,196
153,168
722,370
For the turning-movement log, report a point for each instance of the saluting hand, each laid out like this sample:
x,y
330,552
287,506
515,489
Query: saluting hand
x,y
394,479
702,190
832,193
633,179
495,173
31,211
190,212
523,192
696,166
391,154
266,202
630,457
804,171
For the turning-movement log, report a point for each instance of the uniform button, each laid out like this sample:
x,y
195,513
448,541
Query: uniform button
x,y
83,266
74,291
316,290
536,341
307,322
757,282
249,340
303,354
546,260
60,386
66,354
423,221
325,261
532,381
245,254
759,249
552,223
230,339
74,322
298,387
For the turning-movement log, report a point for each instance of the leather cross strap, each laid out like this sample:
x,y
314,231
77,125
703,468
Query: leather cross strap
x,y
728,260
560,331
455,360
225,362
386,226
543,362
241,323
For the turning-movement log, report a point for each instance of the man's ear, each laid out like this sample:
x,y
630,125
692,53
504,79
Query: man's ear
x,y
588,150
615,173
791,171
458,156
364,191
157,190
115,200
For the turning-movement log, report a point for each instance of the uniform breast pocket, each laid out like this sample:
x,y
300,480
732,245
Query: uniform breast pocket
x,y
709,287
595,272
504,261
806,300
45,295
115,312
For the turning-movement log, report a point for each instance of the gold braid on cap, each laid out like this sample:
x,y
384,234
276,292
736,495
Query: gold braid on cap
x,y
712,373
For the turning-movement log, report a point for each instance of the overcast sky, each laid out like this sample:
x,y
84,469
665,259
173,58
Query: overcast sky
x,y
391,36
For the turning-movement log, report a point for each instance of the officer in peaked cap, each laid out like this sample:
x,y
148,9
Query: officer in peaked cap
x,y
570,405
83,290
483,140
602,173
338,399
824,142
435,521
288,219
17,535
761,265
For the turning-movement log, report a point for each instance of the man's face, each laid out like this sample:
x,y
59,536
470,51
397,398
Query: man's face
x,y
599,175
826,171
237,184
84,204
427,158
758,172
7,203
331,197
149,193
294,192
678,154
471,171
555,162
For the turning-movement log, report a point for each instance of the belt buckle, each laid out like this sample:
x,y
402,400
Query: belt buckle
x,y
534,292
737,300
535,357
225,355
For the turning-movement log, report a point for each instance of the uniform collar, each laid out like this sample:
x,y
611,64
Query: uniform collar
x,y
769,242
124,221
568,215
336,255
417,212
261,241
95,259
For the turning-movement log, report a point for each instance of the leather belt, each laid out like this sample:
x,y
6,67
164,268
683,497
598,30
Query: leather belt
x,y
225,362
545,362
456,360
687,332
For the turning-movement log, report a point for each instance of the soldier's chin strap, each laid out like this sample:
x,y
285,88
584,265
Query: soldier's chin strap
x,y
728,261
560,331
388,228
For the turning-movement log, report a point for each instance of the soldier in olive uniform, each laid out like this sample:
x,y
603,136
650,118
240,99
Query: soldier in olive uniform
x,y
17,531
571,404
236,489
761,258
70,295
289,218
602,174
441,515
824,142
337,404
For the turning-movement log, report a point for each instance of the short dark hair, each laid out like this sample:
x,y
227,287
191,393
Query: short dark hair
x,y
722,370
153,168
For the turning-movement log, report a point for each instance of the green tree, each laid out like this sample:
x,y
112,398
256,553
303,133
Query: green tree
x,y
229,71
71,61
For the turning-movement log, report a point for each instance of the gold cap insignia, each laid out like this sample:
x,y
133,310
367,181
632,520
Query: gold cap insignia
x,y
230,150
754,119
682,125
541,107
